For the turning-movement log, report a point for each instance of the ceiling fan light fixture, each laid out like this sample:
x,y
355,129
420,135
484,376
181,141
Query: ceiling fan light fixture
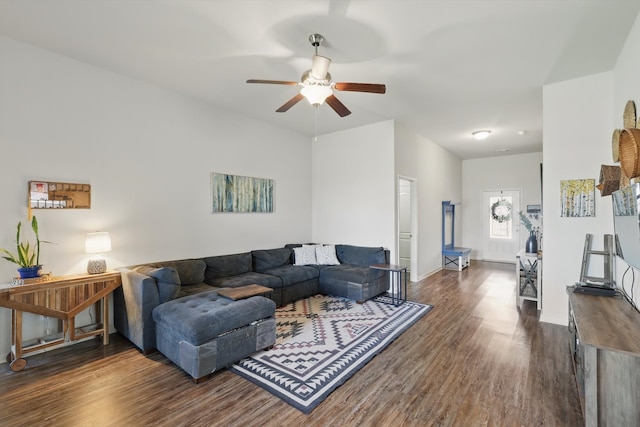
x,y
320,67
317,86
316,94
481,134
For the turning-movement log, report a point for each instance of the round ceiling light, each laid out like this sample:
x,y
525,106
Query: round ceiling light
x,y
481,134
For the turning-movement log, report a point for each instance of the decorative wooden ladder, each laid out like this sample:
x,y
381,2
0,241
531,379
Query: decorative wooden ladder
x,y
607,253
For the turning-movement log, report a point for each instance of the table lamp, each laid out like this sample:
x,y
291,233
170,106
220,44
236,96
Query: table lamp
x,y
97,243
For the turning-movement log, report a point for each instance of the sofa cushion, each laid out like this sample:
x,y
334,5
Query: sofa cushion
x,y
191,271
305,255
360,255
195,289
167,279
251,278
270,258
227,265
350,273
326,255
292,274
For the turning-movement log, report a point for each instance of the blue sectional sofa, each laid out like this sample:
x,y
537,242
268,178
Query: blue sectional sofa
x,y
148,286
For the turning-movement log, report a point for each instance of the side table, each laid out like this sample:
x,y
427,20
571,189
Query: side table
x,y
62,298
529,278
396,274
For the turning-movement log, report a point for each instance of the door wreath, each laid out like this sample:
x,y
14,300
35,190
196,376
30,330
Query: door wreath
x,y
501,211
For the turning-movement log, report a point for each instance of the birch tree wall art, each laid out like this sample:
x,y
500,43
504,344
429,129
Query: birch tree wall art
x,y
577,198
233,193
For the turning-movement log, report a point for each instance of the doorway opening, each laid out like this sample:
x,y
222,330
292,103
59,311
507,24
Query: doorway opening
x,y
407,226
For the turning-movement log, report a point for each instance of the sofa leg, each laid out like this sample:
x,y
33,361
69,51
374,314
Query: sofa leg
x,y
201,379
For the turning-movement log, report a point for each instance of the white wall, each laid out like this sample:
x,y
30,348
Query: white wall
x,y
518,172
626,87
439,177
147,154
353,187
577,140
579,118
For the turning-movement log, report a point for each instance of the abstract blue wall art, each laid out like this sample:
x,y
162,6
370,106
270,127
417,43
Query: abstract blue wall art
x,y
233,193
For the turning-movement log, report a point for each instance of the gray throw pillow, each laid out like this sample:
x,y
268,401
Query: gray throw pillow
x,y
167,279
190,271
267,259
360,255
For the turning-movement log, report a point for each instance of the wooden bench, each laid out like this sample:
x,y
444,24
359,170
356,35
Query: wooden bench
x,y
454,258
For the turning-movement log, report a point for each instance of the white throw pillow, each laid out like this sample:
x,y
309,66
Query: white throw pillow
x,y
311,246
305,255
326,255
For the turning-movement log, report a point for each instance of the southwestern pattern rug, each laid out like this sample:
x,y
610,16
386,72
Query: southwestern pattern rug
x,y
321,342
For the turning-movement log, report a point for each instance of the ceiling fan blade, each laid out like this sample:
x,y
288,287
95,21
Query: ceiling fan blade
x,y
361,87
337,106
290,103
273,82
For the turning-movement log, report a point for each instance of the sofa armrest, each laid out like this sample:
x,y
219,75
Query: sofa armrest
x,y
133,304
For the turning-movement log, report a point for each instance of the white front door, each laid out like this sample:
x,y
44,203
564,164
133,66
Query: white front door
x,y
501,225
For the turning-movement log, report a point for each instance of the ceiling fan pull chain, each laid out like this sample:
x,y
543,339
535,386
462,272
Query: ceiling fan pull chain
x,y
316,116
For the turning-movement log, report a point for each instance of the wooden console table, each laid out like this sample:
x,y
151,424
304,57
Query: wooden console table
x,y
62,298
606,353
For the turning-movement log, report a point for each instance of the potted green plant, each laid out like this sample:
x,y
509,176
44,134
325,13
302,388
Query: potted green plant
x,y
26,257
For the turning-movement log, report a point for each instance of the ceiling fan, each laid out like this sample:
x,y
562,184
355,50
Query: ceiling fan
x,y
317,87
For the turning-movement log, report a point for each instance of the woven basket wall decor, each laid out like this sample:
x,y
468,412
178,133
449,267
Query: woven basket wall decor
x,y
615,145
629,115
630,152
624,181
609,179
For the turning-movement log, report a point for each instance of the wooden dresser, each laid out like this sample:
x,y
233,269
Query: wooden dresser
x,y
606,354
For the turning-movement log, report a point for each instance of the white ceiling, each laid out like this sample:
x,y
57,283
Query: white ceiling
x,y
451,67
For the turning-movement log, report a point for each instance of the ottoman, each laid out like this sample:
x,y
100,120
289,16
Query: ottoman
x,y
205,332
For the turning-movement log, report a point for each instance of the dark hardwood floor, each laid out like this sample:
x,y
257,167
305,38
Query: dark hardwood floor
x,y
474,360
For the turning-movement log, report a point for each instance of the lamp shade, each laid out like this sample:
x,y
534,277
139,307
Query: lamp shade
x,y
316,94
97,243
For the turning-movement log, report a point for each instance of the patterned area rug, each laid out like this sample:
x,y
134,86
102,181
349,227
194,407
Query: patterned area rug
x,y
321,342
